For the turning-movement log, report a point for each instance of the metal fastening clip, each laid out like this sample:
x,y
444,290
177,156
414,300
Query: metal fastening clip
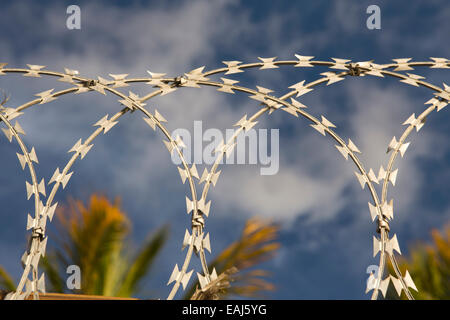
x,y
354,69
198,221
383,224
179,81
89,82
37,233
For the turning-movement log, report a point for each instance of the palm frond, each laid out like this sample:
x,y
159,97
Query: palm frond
x,y
142,262
256,245
93,239
49,264
217,288
4,97
429,266
6,281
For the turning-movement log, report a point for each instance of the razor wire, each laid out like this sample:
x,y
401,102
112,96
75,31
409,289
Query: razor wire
x,y
198,241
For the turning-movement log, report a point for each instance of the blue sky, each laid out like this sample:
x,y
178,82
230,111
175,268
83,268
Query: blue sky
x,y
326,229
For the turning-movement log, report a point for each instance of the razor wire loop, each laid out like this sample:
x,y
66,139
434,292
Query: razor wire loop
x,y
413,82
384,223
400,147
32,189
92,137
196,77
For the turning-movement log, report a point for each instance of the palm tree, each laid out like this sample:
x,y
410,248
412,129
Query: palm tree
x,y
429,266
95,238
255,245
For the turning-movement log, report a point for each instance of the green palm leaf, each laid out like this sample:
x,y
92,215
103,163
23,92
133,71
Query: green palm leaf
x,y
142,262
256,244
6,281
52,274
429,266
